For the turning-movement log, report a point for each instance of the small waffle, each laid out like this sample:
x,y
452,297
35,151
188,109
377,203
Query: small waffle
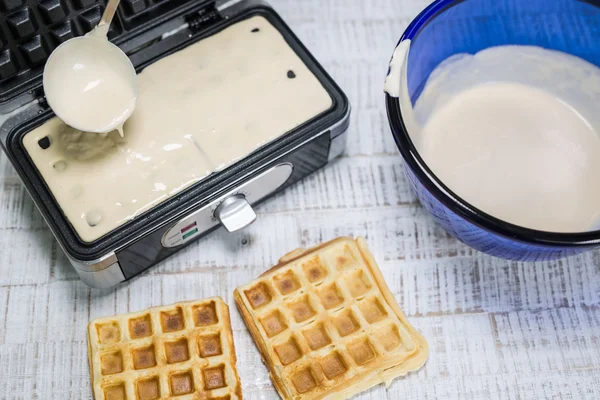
x,y
184,350
327,325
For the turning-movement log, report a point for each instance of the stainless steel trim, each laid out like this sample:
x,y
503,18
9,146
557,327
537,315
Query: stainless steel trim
x,y
338,146
224,4
230,8
339,136
97,265
106,278
342,125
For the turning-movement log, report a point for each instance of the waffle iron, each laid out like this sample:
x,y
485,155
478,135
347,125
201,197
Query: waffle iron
x,y
148,30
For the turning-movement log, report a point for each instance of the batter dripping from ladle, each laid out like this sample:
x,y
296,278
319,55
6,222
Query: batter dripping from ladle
x,y
90,83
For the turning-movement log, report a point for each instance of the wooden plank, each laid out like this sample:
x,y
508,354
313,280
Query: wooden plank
x,y
479,283
62,371
26,316
4,293
18,210
548,340
24,257
465,347
17,371
342,10
497,329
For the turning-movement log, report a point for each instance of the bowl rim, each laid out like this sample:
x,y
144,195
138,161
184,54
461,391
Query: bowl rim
x,y
446,196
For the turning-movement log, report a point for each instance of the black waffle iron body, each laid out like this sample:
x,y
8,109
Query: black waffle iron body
x,y
148,30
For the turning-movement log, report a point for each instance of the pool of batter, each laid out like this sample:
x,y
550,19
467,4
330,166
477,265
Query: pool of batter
x,y
198,111
513,130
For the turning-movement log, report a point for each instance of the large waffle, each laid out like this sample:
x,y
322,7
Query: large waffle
x,y
327,325
184,350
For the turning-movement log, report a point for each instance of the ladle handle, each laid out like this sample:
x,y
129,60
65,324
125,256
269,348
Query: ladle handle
x,y
109,13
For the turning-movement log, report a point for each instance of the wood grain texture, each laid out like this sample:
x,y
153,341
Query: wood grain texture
x,y
497,329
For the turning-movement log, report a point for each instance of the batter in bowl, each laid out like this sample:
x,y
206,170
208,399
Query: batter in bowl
x,y
514,131
198,111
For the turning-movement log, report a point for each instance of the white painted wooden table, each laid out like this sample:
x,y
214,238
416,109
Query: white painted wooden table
x,y
496,329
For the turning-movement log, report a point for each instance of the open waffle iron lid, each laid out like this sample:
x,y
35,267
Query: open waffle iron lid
x,y
31,29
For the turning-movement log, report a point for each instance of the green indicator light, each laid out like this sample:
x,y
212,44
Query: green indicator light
x,y
190,233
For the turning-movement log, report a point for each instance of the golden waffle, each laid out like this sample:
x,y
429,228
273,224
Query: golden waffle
x,y
184,350
326,323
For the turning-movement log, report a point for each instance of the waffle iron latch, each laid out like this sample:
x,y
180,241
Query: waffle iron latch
x,y
233,209
235,213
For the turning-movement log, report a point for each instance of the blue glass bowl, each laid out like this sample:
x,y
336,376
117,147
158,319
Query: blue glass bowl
x,y
448,27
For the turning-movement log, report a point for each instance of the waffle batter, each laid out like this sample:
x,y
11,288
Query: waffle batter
x,y
514,130
198,111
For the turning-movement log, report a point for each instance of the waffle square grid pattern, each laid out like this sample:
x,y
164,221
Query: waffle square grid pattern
x,y
31,29
326,323
184,350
